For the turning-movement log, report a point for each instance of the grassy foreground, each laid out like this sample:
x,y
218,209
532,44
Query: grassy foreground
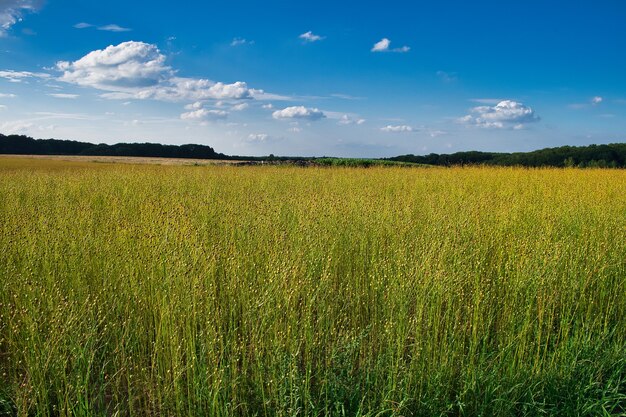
x,y
218,291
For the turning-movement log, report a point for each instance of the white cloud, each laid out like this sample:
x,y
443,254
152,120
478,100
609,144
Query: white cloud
x,y
194,106
114,28
299,112
347,120
596,100
3,107
397,128
381,46
63,95
447,77
5,95
384,44
258,137
82,25
241,41
310,37
137,70
505,114
204,114
17,126
19,76
239,107
268,106
11,12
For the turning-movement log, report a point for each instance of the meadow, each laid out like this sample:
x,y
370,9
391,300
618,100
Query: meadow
x,y
134,290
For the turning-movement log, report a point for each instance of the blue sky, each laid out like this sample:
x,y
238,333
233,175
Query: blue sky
x,y
316,78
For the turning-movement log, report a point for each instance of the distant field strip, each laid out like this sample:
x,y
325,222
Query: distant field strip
x,y
283,291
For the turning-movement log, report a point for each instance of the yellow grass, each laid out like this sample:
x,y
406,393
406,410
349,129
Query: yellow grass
x,y
221,290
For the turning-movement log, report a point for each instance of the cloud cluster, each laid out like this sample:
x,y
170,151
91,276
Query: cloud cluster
x,y
397,128
347,120
258,137
11,12
299,112
137,70
505,114
204,114
384,46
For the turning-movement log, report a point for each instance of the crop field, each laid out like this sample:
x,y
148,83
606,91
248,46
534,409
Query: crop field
x,y
283,291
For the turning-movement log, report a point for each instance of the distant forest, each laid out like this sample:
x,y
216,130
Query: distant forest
x,y
19,144
602,156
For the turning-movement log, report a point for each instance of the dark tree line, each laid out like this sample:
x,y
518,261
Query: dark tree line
x,y
610,156
605,156
19,144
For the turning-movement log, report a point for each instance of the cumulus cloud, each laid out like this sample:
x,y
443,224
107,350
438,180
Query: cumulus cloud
x,y
310,37
596,100
137,70
384,46
347,120
194,106
12,11
397,128
5,95
505,114
204,114
299,112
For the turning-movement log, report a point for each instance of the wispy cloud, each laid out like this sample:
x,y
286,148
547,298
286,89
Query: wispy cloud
x,y
114,28
63,95
447,77
12,11
311,37
384,46
19,76
241,41
491,101
107,28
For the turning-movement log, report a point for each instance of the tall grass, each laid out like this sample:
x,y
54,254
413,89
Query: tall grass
x,y
278,291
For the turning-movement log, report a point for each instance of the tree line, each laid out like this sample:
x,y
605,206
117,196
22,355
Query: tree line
x,y
603,156
20,144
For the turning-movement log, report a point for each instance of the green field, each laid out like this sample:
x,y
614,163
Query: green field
x,y
284,291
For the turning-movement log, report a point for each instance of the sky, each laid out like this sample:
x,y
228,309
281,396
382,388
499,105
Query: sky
x,y
317,78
